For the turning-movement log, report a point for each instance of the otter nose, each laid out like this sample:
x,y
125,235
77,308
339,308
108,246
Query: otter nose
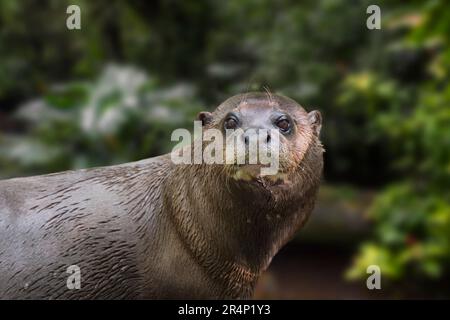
x,y
262,136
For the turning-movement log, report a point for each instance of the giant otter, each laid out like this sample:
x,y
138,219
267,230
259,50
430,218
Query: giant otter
x,y
153,229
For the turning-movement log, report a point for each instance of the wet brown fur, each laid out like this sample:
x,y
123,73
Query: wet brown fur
x,y
152,229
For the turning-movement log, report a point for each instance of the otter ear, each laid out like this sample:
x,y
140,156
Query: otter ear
x,y
315,120
205,117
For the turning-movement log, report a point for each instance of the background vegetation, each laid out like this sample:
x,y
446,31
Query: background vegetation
x,y
113,92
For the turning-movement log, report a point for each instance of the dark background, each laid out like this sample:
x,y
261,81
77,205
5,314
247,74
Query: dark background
x,y
114,91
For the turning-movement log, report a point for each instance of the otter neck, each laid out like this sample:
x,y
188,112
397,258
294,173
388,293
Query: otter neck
x,y
252,225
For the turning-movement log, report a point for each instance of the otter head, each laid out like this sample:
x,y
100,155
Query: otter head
x,y
280,128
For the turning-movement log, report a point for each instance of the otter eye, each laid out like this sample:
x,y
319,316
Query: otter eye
x,y
231,123
283,124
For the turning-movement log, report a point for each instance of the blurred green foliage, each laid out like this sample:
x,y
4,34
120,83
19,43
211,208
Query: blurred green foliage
x,y
384,94
412,216
122,116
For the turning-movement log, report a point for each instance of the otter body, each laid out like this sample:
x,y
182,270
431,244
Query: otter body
x,y
154,229
107,221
